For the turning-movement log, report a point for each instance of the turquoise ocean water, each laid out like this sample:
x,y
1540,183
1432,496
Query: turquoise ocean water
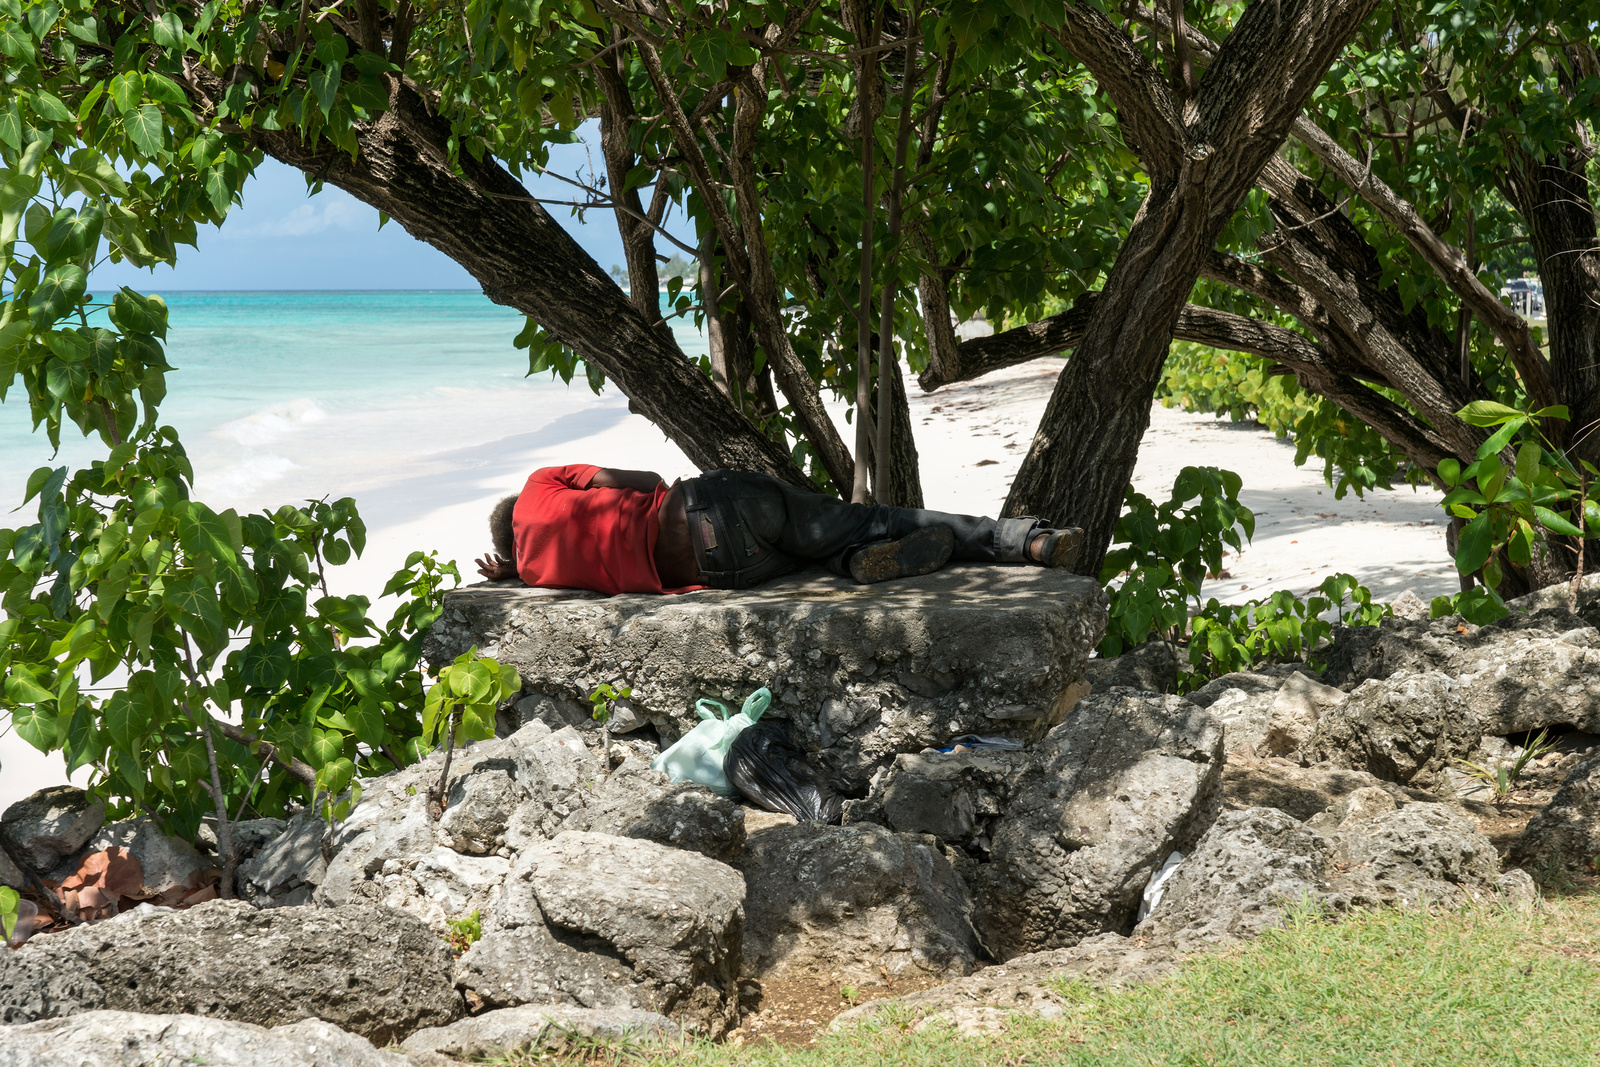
x,y
271,386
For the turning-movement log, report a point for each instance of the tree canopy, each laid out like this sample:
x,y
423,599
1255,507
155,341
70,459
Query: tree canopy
x,y
1334,187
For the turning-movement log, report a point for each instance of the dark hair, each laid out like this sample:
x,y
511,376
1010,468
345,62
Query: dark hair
x,y
500,526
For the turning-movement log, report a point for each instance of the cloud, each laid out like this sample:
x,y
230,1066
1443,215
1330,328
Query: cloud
x,y
332,210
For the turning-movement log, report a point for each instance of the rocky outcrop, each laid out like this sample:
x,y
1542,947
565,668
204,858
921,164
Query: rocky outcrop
x,y
636,801
1406,728
955,796
42,829
1030,985
1254,865
285,870
1303,792
1150,668
1292,719
131,1039
166,862
608,922
1123,781
1566,835
853,903
370,970
540,1028
862,674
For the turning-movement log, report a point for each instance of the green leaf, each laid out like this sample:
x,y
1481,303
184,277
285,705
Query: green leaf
x,y
1556,523
49,107
1477,541
324,747
1487,413
35,725
1500,438
367,720
324,82
57,294
167,31
127,89
146,129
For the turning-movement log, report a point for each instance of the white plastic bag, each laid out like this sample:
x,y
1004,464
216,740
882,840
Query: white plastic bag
x,y
698,755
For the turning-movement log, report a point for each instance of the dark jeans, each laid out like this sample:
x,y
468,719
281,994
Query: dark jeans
x,y
748,528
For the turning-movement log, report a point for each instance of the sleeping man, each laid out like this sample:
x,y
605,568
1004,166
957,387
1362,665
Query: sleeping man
x,y
615,531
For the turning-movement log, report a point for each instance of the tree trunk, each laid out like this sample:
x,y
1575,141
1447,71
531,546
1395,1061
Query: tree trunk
x,y
638,236
1202,159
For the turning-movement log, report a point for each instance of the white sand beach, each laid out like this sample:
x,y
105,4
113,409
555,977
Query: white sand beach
x,y
433,494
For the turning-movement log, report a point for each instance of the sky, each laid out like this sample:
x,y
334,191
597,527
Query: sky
x,y
282,238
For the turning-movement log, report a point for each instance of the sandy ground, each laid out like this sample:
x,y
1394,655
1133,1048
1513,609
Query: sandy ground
x,y
971,438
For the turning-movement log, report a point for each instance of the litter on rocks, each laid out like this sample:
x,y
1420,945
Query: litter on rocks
x,y
983,742
1157,887
698,755
771,771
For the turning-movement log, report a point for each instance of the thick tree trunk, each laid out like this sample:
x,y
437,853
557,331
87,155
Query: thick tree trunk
x,y
483,219
1201,163
905,471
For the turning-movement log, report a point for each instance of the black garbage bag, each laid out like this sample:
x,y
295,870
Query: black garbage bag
x,y
771,771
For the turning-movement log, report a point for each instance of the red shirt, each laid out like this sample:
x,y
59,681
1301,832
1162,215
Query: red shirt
x,y
571,536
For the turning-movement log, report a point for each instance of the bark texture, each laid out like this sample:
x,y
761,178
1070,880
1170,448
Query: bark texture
x,y
1202,156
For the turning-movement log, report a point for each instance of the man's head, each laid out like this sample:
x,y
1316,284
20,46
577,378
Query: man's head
x,y
500,526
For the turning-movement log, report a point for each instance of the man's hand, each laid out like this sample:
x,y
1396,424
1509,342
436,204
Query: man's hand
x,y
496,569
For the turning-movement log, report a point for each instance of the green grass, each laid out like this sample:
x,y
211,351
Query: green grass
x,y
1483,986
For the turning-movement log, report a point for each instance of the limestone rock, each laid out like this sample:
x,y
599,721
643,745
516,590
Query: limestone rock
x,y
1254,683
1026,985
479,808
373,971
851,903
521,961
555,776
288,869
1408,605
1125,780
636,801
861,673
1406,728
540,1027
615,922
250,836
1358,653
132,1039
10,874
1254,865
1243,715
1365,803
1422,853
955,796
1242,875
1151,668
165,861
1303,792
1566,834
1296,709
43,828
1531,679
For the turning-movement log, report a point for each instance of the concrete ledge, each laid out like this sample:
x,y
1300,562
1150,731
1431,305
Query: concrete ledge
x,y
862,673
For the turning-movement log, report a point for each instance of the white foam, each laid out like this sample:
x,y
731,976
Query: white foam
x,y
264,427
243,478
